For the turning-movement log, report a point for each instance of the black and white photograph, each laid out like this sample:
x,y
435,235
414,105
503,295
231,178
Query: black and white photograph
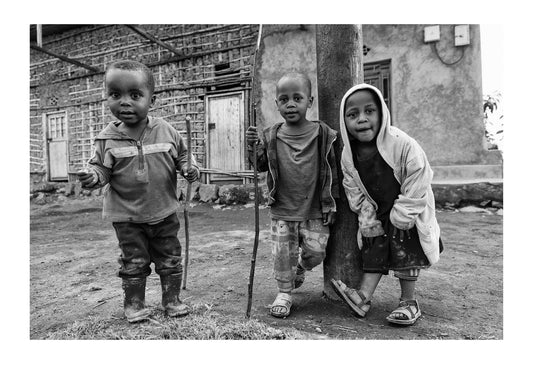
x,y
275,186
432,157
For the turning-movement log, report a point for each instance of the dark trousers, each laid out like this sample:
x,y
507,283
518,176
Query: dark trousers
x,y
143,243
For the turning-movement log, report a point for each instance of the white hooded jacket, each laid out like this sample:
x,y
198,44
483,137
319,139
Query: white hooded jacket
x,y
416,204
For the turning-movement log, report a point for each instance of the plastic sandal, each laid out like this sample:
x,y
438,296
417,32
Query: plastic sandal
x,y
281,307
409,309
351,297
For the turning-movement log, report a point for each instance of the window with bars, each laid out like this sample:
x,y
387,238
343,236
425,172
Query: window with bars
x,y
378,75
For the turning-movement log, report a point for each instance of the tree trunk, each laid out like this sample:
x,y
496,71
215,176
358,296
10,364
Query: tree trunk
x,y
339,50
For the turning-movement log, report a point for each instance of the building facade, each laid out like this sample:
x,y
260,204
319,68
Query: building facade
x,y
434,90
206,75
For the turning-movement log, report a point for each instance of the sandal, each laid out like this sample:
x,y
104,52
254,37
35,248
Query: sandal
x,y
281,307
408,309
352,297
300,276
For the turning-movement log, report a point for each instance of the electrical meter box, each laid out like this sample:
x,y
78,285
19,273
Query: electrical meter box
x,y
431,33
462,35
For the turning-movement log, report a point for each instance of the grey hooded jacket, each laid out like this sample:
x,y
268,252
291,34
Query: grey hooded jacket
x,y
416,203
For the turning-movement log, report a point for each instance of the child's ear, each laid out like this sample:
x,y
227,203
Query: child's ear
x,y
152,100
311,99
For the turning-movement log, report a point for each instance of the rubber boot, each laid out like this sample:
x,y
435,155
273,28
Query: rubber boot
x,y
134,309
170,287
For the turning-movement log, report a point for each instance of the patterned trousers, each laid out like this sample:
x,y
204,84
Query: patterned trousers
x,y
296,241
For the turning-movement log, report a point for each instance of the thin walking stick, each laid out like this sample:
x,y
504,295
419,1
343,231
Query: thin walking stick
x,y
256,238
186,205
256,189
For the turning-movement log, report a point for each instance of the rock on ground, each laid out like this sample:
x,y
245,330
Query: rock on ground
x,y
208,193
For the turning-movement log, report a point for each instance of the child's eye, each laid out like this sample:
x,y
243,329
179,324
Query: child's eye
x,y
370,111
297,99
114,95
283,100
135,95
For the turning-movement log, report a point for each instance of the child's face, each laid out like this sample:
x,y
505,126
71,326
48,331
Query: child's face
x,y
362,116
293,99
128,96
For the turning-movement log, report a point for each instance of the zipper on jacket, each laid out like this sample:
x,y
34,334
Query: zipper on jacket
x,y
141,155
326,163
139,144
269,164
329,167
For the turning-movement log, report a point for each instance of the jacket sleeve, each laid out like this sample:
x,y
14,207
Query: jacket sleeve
x,y
369,225
414,189
353,193
101,164
181,159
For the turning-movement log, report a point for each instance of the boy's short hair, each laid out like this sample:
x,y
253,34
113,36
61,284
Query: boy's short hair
x,y
132,65
300,76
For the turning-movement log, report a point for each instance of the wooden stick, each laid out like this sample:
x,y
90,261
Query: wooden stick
x,y
186,205
240,174
256,183
256,239
65,58
154,39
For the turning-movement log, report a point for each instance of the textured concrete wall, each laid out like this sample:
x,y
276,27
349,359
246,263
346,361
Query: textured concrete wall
x,y
439,105
284,48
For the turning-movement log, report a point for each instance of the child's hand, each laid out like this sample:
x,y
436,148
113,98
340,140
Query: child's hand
x,y
329,218
251,135
190,174
87,177
402,234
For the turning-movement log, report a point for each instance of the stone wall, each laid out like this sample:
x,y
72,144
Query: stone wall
x,y
480,195
46,192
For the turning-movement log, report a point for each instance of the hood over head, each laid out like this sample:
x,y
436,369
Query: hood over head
x,y
385,116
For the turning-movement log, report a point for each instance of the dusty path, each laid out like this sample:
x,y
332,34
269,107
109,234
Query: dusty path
x,y
73,264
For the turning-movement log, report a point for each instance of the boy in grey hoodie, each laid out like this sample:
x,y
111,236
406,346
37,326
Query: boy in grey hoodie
x,y
387,180
138,158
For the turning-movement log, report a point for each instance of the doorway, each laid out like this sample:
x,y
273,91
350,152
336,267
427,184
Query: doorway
x,y
225,136
57,144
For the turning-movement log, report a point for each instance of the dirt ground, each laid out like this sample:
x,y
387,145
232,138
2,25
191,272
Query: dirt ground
x,y
73,264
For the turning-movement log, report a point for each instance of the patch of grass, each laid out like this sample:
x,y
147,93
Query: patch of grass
x,y
208,325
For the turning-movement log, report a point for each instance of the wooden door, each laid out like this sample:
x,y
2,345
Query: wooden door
x,y
57,140
225,135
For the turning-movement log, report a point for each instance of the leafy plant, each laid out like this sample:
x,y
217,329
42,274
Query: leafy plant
x,y
493,120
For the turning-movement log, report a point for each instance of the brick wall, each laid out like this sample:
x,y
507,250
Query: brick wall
x,y
181,82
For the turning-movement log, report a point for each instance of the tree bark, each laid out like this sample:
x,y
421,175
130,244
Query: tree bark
x,y
339,50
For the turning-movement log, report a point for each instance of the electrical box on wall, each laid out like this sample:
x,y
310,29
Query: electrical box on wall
x,y
462,35
431,33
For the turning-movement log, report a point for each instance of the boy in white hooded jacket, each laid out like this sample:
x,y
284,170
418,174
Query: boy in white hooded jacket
x,y
387,179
